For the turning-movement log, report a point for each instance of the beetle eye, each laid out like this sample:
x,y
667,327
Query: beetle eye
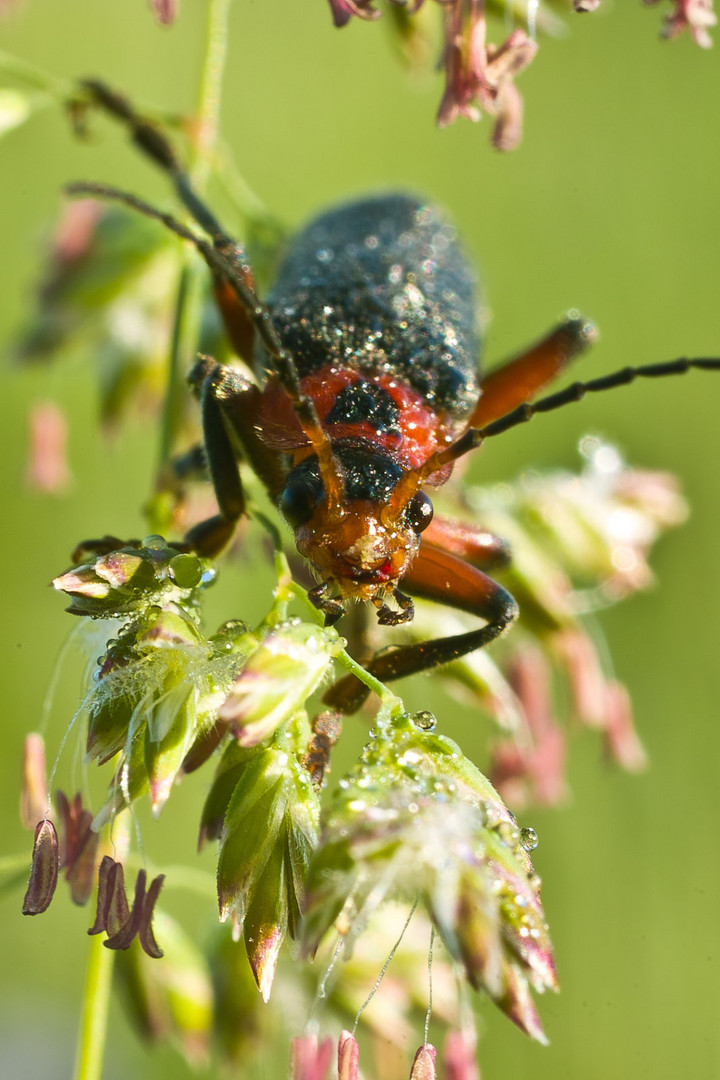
x,y
419,512
298,501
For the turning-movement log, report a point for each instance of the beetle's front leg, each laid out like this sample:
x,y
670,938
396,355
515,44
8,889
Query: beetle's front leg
x,y
437,575
229,405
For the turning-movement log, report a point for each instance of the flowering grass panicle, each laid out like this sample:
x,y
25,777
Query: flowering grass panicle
x,y
480,76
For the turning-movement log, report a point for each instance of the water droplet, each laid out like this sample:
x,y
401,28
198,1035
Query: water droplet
x,y
529,839
424,720
154,542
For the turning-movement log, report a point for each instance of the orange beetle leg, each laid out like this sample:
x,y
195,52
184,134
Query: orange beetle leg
x,y
238,326
470,542
521,378
437,575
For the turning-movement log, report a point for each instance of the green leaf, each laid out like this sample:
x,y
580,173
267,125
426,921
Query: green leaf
x,y
268,836
233,762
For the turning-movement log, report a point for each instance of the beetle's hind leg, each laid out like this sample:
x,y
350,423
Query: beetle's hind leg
x,y
521,378
438,575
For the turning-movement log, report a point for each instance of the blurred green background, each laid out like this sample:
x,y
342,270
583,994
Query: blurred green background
x,y
611,206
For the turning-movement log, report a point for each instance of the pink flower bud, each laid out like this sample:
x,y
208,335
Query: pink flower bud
x,y
459,1056
309,1058
424,1064
165,11
348,1056
47,468
33,796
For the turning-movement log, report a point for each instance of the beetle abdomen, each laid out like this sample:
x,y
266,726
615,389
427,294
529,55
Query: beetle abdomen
x,y
382,286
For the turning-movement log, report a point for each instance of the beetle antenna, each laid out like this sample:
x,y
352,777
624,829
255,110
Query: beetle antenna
x,y
152,141
226,269
574,392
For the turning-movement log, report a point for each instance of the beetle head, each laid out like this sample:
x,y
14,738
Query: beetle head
x,y
362,537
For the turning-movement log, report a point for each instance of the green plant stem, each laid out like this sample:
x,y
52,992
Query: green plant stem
x,y
34,77
188,309
94,1019
92,1032
186,326
390,701
208,117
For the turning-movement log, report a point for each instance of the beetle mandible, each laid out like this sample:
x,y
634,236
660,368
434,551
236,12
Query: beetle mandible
x,y
368,390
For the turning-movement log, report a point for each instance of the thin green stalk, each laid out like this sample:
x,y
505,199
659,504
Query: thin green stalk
x,y
96,1002
391,701
92,1033
208,115
34,77
188,311
186,326
94,1020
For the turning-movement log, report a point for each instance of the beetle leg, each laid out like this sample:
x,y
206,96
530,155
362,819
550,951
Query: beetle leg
x,y
229,405
238,325
210,537
190,465
441,576
387,617
331,607
521,378
470,542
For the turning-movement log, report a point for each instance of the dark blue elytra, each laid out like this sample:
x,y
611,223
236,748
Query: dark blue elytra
x,y
382,286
